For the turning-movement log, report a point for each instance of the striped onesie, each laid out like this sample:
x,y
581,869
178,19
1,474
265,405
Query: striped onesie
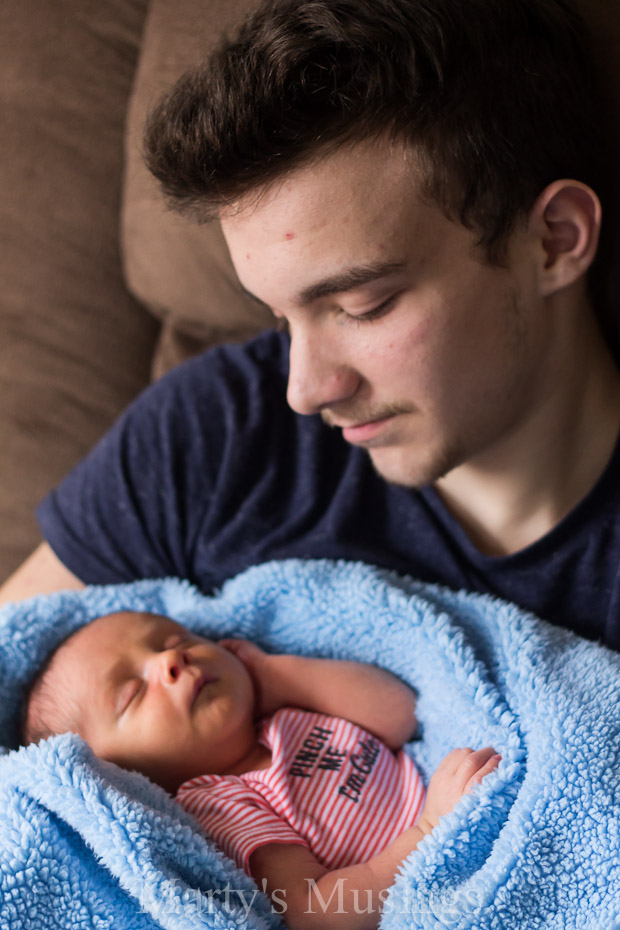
x,y
331,786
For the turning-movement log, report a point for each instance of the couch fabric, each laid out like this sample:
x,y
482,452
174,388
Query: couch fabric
x,y
179,269
75,346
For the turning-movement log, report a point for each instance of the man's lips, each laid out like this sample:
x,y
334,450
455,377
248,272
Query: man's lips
x,y
365,431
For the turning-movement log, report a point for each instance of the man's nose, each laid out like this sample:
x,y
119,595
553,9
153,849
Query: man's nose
x,y
318,377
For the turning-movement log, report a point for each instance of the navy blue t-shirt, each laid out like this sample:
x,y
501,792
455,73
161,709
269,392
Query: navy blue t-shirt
x,y
209,471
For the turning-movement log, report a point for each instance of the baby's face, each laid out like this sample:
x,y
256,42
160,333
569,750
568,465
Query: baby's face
x,y
154,697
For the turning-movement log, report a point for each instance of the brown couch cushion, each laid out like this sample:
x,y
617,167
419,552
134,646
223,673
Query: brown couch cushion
x,y
180,270
74,346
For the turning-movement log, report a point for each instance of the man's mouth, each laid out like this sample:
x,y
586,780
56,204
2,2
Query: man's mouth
x,y
362,432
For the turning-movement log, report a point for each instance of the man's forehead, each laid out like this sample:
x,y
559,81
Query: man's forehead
x,y
308,240
367,177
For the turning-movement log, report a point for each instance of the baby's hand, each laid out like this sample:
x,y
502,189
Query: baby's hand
x,y
249,653
260,666
456,774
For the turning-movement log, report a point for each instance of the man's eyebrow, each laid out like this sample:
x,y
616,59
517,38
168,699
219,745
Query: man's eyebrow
x,y
346,280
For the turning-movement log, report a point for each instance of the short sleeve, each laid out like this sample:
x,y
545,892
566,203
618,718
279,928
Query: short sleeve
x,y
170,475
237,818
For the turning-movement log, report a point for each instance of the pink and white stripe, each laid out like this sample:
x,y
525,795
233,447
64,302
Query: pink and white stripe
x,y
273,805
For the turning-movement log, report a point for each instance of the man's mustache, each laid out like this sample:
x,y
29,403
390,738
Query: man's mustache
x,y
355,416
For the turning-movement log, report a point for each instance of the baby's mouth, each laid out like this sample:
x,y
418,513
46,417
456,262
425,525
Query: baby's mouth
x,y
204,679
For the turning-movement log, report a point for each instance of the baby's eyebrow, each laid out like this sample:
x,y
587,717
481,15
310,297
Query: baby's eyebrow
x,y
115,677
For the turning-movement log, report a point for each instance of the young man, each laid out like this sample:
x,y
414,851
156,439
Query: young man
x,y
410,185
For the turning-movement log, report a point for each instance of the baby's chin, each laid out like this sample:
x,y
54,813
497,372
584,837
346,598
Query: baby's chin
x,y
167,776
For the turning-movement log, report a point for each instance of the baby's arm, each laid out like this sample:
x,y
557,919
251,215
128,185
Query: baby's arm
x,y
369,696
318,899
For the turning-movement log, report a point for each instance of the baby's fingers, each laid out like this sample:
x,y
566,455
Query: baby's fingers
x,y
242,648
232,644
482,762
456,758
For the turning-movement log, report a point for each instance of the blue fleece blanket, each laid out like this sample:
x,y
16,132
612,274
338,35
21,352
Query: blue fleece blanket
x,y
85,844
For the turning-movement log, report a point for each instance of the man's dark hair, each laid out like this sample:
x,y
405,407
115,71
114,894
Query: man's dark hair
x,y
498,98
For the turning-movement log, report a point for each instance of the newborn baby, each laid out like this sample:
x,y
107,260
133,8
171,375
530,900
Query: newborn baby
x,y
292,764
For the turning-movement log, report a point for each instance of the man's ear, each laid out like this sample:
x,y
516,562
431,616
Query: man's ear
x,y
566,218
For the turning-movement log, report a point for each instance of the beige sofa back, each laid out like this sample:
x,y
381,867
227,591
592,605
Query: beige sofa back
x,y
75,346
179,269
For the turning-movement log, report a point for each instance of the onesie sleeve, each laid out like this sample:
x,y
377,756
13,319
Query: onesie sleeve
x,y
237,818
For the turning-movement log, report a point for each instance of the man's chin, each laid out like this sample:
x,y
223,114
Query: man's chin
x,y
410,468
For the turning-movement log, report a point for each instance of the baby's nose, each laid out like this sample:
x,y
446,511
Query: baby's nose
x,y
173,661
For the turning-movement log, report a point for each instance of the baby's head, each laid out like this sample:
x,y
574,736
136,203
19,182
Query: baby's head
x,y
147,694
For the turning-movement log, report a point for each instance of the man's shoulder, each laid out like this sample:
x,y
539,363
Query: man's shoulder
x,y
266,354
222,388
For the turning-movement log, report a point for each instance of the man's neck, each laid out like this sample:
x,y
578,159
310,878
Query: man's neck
x,y
518,491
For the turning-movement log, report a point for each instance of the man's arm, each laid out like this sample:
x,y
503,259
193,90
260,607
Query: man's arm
x,y
368,696
41,573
